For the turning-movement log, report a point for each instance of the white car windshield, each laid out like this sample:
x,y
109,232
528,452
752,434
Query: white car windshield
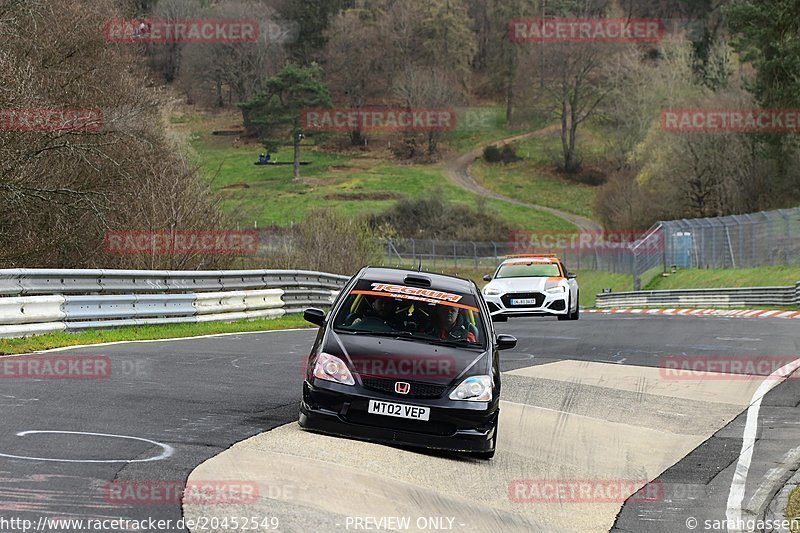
x,y
528,270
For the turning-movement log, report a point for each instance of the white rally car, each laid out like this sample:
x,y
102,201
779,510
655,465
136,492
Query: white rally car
x,y
532,285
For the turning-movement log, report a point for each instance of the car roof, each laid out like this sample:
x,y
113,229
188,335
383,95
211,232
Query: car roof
x,y
397,276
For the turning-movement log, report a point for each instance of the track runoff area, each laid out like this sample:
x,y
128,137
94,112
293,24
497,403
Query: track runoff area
x,y
617,422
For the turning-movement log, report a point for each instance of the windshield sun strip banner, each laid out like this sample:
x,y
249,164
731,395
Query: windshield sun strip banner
x,y
414,297
532,261
428,293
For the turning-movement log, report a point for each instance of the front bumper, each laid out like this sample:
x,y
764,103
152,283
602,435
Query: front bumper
x,y
331,408
551,305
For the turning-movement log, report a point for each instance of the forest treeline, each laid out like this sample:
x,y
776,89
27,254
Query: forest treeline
x,y
62,190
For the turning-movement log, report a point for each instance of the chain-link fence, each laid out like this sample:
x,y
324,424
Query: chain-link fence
x,y
738,241
432,254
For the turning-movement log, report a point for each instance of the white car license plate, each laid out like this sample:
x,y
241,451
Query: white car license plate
x,y
399,410
523,301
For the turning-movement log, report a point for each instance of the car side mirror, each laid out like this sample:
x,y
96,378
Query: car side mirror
x,y
315,316
506,342
571,275
487,277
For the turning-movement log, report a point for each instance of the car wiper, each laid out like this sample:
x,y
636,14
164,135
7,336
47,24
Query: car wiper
x,y
394,333
458,343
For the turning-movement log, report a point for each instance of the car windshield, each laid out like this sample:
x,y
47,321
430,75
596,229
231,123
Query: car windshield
x,y
424,314
528,270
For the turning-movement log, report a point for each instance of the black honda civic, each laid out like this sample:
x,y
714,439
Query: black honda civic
x,y
406,357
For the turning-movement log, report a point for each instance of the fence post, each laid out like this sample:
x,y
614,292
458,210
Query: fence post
x,y
475,254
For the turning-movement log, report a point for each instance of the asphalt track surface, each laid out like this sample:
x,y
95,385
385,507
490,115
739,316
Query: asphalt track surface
x,y
193,399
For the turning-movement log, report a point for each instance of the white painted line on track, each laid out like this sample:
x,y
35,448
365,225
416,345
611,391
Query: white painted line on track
x,y
171,339
167,450
736,494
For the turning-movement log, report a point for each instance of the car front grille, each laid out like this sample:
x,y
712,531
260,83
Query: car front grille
x,y
418,390
506,299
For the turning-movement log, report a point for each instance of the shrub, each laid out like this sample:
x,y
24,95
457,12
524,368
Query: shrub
x,y
506,154
491,154
434,218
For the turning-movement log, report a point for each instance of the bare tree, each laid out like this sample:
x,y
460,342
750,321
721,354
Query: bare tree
x,y
64,188
241,68
422,87
165,58
355,67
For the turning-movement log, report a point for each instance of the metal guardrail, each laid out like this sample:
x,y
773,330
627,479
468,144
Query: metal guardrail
x,y
736,297
23,282
34,301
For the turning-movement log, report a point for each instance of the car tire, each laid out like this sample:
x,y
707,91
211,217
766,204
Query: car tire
x,y
577,314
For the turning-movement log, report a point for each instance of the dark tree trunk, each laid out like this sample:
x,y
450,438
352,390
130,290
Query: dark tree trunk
x,y
296,156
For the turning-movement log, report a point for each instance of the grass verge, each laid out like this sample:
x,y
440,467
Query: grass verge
x,y
768,276
793,509
137,333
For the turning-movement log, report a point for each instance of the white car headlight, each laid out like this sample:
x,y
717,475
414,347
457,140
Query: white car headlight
x,y
474,388
556,290
489,291
331,368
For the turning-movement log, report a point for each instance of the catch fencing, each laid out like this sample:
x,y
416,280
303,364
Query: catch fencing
x,y
437,254
34,301
736,241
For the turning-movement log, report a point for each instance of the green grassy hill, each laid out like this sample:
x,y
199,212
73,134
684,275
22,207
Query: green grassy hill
x,y
354,184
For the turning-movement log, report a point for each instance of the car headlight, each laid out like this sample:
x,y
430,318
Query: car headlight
x,y
331,368
556,290
474,388
491,292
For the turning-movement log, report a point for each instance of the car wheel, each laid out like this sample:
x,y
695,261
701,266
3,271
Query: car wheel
x,y
577,314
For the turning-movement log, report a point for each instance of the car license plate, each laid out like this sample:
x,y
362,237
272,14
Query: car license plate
x,y
523,301
399,410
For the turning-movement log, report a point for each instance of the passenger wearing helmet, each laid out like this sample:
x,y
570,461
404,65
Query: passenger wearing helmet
x,y
449,323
